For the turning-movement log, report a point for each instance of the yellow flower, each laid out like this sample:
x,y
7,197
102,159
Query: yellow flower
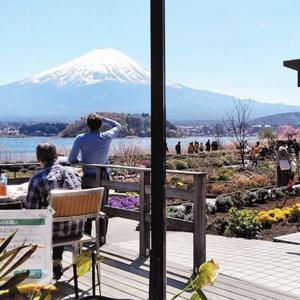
x,y
179,184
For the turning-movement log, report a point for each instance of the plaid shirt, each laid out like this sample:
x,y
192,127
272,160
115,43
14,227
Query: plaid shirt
x,y
38,196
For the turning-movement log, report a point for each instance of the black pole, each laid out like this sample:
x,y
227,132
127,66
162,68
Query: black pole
x,y
158,153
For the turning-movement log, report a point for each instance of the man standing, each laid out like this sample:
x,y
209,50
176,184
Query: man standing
x,y
94,149
178,148
53,176
207,145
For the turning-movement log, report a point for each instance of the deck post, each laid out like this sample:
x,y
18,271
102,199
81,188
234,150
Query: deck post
x,y
157,289
199,244
144,209
99,176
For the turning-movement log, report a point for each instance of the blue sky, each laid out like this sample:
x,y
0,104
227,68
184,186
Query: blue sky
x,y
235,47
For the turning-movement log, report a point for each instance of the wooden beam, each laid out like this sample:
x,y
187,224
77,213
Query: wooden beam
x,y
157,289
293,64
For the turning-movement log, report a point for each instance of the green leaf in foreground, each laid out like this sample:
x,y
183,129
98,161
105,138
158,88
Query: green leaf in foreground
x,y
207,274
83,263
201,295
195,296
15,280
20,261
7,241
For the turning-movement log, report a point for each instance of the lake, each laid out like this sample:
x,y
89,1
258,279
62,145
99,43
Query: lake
x,y
23,149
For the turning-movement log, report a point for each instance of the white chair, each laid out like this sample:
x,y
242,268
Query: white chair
x,y
71,205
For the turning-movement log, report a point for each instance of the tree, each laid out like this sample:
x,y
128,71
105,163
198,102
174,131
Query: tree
x,y
287,132
237,123
267,133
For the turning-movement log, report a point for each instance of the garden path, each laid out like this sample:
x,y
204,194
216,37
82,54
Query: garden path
x,y
269,264
293,238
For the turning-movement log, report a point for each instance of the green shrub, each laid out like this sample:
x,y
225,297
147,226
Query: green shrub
x,y
170,165
188,208
237,198
223,174
242,223
218,226
176,213
250,198
175,179
192,163
288,191
295,216
223,203
277,193
181,165
267,169
210,208
184,212
297,190
263,196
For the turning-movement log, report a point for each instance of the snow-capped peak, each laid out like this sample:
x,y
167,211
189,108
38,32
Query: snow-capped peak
x,y
94,67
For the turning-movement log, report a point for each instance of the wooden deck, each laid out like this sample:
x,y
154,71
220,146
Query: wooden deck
x,y
125,276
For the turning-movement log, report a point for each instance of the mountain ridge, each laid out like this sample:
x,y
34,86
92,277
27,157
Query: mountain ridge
x,y
108,80
290,118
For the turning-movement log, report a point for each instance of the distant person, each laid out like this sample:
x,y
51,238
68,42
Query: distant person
x,y
296,148
94,149
53,176
283,164
290,145
216,145
207,145
201,147
253,157
191,148
167,148
257,148
247,148
178,148
196,147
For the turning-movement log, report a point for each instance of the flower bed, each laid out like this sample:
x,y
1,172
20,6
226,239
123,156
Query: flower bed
x,y
127,201
261,214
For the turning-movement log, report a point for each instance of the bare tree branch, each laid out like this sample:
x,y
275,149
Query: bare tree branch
x,y
237,123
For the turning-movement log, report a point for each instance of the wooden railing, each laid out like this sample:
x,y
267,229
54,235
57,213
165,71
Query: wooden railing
x,y
143,187
196,195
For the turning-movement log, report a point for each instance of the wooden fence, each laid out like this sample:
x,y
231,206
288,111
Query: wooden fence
x,y
196,195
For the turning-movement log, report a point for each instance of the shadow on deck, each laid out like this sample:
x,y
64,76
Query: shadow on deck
x,y
124,276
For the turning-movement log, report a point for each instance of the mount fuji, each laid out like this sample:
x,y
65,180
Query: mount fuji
x,y
108,80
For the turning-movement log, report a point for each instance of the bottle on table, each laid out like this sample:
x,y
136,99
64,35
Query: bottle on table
x,y
3,185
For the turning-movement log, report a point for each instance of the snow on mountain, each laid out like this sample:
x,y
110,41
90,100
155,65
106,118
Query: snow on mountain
x,y
95,67
107,80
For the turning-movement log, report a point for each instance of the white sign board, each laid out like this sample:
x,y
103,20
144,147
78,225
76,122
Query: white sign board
x,y
34,227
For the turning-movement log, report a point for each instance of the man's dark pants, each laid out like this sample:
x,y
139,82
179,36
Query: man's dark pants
x,y
104,175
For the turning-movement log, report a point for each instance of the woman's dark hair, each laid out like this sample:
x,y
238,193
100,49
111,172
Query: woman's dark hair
x,y
94,121
46,152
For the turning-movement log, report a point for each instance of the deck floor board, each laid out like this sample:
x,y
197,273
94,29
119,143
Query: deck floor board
x,y
125,276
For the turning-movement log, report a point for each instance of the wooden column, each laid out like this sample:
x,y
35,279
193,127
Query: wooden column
x,y
144,209
199,199
157,289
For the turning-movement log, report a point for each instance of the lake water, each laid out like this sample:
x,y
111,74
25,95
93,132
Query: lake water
x,y
23,149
